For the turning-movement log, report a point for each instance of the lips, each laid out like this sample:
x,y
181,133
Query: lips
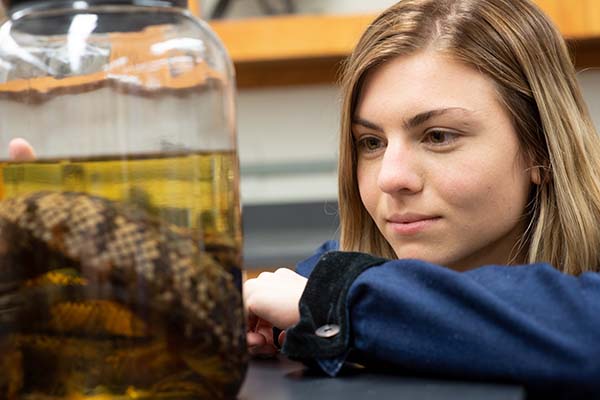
x,y
411,223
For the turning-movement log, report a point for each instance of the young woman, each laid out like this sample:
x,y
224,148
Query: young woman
x,y
469,197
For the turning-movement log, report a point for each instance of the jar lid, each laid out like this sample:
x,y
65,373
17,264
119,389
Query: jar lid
x,y
12,5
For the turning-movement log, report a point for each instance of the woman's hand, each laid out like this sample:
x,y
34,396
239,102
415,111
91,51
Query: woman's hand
x,y
20,150
271,300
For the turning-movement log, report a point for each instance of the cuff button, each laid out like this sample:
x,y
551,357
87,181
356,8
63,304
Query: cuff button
x,y
327,331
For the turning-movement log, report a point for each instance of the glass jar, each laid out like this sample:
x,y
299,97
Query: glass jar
x,y
120,243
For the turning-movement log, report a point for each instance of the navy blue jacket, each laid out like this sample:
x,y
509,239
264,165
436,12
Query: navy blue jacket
x,y
530,324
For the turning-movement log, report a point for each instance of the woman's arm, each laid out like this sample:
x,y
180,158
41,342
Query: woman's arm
x,y
528,324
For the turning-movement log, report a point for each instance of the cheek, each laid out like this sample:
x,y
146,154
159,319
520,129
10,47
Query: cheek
x,y
464,190
367,186
486,191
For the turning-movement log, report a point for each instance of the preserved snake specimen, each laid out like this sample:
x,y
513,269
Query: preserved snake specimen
x,y
100,300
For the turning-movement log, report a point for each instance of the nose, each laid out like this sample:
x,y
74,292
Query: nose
x,y
399,170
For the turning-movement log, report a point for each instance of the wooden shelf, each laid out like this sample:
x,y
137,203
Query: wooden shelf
x,y
308,49
285,50
290,37
577,20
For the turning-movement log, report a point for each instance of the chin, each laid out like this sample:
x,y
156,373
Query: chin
x,y
431,256
418,253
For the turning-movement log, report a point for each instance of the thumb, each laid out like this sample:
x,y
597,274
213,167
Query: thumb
x,y
20,150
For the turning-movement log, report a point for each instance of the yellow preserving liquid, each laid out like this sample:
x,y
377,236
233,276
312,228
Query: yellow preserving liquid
x,y
98,348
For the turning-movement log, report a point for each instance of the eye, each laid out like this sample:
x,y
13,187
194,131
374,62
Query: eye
x,y
440,138
369,143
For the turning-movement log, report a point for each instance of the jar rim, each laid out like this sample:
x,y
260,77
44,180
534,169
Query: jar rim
x,y
17,8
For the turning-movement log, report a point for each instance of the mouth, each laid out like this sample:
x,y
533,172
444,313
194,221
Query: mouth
x,y
411,224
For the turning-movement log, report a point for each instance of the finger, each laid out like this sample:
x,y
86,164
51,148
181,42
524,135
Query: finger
x,y
284,271
252,318
20,150
266,331
281,338
254,339
265,275
258,345
248,289
251,321
266,350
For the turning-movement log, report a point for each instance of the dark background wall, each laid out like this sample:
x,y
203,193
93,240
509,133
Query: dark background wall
x,y
280,235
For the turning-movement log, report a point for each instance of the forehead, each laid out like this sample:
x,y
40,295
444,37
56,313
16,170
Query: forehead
x,y
426,80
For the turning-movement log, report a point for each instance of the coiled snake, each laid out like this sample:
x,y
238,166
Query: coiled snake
x,y
117,260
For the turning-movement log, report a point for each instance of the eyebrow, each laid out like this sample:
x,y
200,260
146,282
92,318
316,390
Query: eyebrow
x,y
413,122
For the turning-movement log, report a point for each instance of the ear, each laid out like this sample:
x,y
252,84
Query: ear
x,y
536,169
535,175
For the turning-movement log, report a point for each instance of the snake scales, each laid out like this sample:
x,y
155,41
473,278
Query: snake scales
x,y
130,279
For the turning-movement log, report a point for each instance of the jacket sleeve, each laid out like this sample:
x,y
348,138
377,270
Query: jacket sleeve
x,y
305,267
525,324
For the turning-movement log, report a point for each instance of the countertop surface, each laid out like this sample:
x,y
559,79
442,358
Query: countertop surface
x,y
282,379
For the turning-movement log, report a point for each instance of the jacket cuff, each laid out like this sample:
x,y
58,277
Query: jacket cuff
x,y
323,331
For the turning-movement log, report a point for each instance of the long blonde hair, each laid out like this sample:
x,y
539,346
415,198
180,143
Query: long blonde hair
x,y
513,43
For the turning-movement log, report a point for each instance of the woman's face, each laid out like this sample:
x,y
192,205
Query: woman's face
x,y
439,164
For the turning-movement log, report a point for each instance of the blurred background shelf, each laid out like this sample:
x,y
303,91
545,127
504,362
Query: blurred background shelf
x,y
285,50
308,49
302,49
